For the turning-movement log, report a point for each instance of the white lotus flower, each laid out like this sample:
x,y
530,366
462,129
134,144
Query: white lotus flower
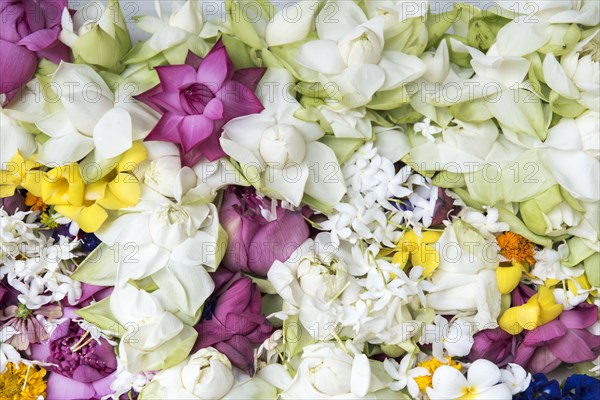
x,y
292,23
184,26
280,154
577,75
175,243
538,20
571,152
205,375
462,147
91,118
494,73
156,339
328,372
351,55
311,283
483,381
465,281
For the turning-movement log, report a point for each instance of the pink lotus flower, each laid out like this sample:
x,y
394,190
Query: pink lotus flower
x,y
83,367
565,339
29,30
198,98
254,240
233,323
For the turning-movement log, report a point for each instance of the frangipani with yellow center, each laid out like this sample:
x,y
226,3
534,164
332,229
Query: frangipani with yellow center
x,y
419,249
483,381
118,189
540,309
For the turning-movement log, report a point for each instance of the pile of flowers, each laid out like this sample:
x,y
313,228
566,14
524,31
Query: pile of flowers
x,y
327,199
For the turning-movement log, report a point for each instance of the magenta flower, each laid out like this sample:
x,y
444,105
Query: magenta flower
x,y
495,345
565,339
232,322
83,367
27,327
258,233
198,98
29,30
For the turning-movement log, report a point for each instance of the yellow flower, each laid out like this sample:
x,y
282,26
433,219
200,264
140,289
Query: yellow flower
x,y
22,382
539,310
508,278
424,381
63,185
516,248
20,172
419,249
119,189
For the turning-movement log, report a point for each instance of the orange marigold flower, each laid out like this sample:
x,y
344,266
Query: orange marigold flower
x,y
35,203
516,248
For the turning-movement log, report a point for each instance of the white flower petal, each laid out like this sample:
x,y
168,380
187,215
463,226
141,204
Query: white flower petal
x,y
112,133
322,56
557,79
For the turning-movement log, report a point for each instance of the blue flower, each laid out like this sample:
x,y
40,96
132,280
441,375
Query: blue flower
x,y
541,388
581,387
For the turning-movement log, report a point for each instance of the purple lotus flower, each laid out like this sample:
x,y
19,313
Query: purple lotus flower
x,y
83,367
565,339
258,233
495,345
29,30
235,325
198,98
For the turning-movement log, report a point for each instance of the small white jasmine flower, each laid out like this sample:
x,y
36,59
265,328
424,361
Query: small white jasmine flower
x,y
486,223
427,130
404,374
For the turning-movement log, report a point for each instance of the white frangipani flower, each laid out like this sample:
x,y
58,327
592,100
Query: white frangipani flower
x,y
515,377
483,381
456,338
